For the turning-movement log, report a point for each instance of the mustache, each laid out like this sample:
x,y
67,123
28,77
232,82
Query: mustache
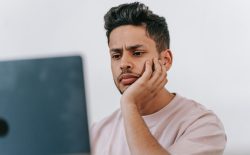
x,y
127,72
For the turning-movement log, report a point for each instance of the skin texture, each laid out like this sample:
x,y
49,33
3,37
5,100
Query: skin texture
x,y
140,74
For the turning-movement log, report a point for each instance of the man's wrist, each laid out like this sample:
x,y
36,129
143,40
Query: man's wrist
x,y
128,105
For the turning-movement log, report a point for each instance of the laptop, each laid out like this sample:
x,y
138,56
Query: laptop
x,y
43,107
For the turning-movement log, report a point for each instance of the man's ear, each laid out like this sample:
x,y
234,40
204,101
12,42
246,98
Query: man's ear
x,y
167,58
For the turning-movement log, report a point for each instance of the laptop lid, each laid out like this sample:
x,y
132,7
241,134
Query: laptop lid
x,y
43,107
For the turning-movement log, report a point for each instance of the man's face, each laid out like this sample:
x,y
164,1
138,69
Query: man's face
x,y
130,47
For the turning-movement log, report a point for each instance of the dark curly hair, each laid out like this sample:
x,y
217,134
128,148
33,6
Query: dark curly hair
x,y
138,14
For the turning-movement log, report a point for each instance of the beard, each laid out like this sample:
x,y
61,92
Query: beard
x,y
119,89
118,79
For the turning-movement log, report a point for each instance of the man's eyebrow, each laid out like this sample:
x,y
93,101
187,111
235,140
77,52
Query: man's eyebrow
x,y
129,48
116,50
133,47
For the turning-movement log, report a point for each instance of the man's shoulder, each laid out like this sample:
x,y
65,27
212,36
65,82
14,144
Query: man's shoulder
x,y
103,129
198,127
108,121
190,110
192,113
190,106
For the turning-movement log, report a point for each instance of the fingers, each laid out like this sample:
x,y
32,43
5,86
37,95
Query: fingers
x,y
159,75
148,71
156,79
157,72
162,84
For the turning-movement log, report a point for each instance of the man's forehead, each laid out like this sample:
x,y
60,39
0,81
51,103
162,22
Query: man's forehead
x,y
128,36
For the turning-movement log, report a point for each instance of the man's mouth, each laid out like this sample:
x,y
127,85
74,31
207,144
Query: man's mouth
x,y
128,79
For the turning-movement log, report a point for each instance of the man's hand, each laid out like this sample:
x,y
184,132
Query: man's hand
x,y
136,97
147,86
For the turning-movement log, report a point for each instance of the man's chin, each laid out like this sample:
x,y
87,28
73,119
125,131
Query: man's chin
x,y
123,89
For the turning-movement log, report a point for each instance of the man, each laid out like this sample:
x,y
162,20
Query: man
x,y
151,120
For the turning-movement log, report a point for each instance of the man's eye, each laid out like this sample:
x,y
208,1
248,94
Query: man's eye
x,y
116,56
137,53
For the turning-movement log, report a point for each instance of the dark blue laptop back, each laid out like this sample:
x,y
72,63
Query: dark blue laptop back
x,y
43,107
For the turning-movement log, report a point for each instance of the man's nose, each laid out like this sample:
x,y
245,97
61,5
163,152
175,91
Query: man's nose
x,y
126,62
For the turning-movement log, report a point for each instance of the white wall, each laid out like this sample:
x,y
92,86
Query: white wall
x,y
209,40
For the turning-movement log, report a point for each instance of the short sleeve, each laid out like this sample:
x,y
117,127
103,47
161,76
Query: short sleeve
x,y
204,135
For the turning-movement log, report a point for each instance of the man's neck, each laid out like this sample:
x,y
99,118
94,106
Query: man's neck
x,y
161,100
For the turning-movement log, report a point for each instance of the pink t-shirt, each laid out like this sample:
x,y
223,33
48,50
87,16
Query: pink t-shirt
x,y
183,127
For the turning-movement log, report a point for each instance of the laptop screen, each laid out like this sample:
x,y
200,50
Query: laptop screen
x,y
43,107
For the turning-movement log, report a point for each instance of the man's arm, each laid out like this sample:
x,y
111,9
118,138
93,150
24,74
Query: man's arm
x,y
139,137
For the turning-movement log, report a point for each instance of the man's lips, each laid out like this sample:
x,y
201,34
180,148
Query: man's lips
x,y
127,79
